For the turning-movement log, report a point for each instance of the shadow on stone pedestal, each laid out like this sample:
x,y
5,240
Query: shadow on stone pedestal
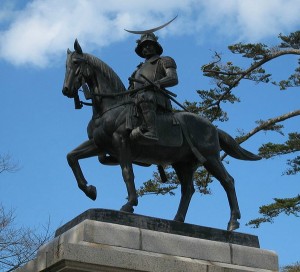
x,y
105,240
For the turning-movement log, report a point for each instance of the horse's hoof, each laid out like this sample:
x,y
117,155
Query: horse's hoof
x,y
127,208
91,192
233,225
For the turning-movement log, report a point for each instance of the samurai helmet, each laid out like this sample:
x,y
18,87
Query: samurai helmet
x,y
148,36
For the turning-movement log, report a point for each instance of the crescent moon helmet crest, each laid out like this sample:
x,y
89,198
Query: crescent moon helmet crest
x,y
149,37
150,30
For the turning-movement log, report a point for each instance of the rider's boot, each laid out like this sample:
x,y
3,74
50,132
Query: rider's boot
x,y
147,132
150,119
149,115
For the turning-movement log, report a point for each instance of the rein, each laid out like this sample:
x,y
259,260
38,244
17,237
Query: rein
x,y
114,107
81,103
122,93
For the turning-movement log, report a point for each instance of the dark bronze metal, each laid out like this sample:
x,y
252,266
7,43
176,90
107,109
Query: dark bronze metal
x,y
155,74
166,93
190,140
142,82
160,89
77,103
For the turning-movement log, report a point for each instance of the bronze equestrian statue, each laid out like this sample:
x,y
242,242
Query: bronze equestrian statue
x,y
183,140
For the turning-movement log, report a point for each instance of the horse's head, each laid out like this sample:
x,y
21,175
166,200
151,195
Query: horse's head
x,y
85,68
74,66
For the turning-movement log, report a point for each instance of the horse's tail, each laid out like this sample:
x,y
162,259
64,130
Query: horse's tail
x,y
233,149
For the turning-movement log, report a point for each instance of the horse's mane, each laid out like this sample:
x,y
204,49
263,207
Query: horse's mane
x,y
107,72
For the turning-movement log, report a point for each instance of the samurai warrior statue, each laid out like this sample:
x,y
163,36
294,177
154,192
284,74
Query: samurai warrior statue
x,y
154,74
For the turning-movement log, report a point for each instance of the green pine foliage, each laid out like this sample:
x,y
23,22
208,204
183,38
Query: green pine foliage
x,y
288,206
292,145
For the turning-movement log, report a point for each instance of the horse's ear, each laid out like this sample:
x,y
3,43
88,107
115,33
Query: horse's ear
x,y
77,47
69,51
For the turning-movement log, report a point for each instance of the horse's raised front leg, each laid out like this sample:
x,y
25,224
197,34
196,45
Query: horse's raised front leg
x,y
85,150
121,144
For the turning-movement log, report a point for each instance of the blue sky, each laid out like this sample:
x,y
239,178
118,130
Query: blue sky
x,y
40,126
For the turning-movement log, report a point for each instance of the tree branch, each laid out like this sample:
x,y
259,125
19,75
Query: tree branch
x,y
264,126
7,164
243,73
268,123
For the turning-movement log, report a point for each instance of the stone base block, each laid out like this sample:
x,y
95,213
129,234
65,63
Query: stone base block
x,y
92,246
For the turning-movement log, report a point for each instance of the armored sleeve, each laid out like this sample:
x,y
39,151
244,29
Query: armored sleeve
x,y
168,62
167,75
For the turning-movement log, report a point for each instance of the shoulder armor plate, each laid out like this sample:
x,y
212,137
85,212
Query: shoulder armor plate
x,y
168,62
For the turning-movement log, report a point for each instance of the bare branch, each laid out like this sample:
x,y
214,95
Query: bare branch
x,y
7,164
18,244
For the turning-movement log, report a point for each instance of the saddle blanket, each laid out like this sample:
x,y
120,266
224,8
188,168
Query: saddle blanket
x,y
168,130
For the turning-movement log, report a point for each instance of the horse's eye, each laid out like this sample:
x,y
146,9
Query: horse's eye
x,y
76,61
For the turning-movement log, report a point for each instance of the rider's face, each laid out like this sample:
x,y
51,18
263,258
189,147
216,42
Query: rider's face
x,y
149,50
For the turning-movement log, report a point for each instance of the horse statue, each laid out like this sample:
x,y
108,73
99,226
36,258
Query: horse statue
x,y
191,142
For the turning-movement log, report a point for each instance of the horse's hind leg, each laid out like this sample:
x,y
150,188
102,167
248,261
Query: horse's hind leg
x,y
85,150
185,172
121,144
215,167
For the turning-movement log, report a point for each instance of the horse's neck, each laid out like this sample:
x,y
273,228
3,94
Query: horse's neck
x,y
103,81
102,102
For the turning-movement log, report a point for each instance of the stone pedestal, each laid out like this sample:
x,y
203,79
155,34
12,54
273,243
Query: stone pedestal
x,y
91,243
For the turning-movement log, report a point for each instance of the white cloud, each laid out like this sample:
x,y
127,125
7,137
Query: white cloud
x,y
44,29
268,17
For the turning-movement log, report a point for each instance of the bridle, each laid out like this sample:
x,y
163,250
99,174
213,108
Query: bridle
x,y
82,72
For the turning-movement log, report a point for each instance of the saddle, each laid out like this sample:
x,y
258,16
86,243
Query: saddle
x,y
168,128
